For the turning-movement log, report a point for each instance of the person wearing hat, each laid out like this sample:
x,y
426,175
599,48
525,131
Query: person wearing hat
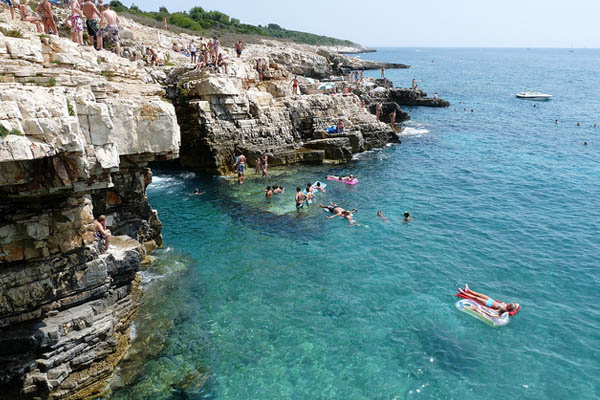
x,y
407,217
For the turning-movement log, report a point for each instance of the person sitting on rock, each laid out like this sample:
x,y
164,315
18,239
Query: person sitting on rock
x,y
392,118
221,63
340,126
102,234
29,18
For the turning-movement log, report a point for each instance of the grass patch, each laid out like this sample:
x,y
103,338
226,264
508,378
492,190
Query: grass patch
x,y
51,83
70,108
107,74
14,33
169,64
5,132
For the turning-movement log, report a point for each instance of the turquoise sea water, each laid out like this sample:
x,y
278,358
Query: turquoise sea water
x,y
250,300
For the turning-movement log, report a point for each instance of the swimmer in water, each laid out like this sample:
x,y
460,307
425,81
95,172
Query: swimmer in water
x,y
332,208
309,188
268,193
380,214
299,198
309,198
318,187
488,301
407,217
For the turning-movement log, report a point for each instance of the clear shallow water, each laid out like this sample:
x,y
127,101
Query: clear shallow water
x,y
272,304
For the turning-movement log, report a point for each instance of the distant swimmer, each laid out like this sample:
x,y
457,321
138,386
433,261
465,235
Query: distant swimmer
x,y
407,217
268,193
555,121
488,301
348,215
299,198
577,124
595,125
472,110
380,214
535,105
197,193
585,143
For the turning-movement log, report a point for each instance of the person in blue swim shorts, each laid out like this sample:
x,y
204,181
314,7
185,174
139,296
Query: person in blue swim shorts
x,y
488,301
241,164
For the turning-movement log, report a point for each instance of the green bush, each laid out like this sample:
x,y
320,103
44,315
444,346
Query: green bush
x,y
200,20
5,132
11,33
70,108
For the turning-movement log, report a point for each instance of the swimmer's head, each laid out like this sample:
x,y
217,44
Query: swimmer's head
x,y
351,176
268,187
511,307
196,191
281,187
406,214
298,189
318,184
379,213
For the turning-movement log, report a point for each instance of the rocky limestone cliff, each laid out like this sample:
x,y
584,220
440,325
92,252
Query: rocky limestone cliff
x,y
217,111
77,130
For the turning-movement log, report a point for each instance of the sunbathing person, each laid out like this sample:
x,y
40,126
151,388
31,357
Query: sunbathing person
x,y
342,178
488,301
29,18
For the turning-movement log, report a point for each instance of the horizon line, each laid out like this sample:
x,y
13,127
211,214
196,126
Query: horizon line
x,y
481,47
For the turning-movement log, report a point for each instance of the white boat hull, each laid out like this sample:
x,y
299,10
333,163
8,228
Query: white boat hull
x,y
533,96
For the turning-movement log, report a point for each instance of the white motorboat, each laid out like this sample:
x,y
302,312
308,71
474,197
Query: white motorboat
x,y
534,96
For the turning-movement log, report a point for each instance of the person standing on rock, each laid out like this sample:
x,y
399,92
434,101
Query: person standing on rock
x,y
215,49
101,232
44,10
378,109
239,46
259,69
241,164
264,163
383,71
110,32
10,7
295,85
76,23
91,23
193,49
165,23
392,118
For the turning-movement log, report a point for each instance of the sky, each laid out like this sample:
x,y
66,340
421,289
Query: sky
x,y
420,23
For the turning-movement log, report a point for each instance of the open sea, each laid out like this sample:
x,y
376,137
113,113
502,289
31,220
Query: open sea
x,y
251,300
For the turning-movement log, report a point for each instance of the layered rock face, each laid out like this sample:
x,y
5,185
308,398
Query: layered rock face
x,y
218,112
77,130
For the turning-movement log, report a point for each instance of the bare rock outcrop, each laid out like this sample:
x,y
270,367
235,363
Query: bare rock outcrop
x,y
77,130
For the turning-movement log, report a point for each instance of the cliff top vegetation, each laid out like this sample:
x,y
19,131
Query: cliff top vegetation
x,y
210,23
